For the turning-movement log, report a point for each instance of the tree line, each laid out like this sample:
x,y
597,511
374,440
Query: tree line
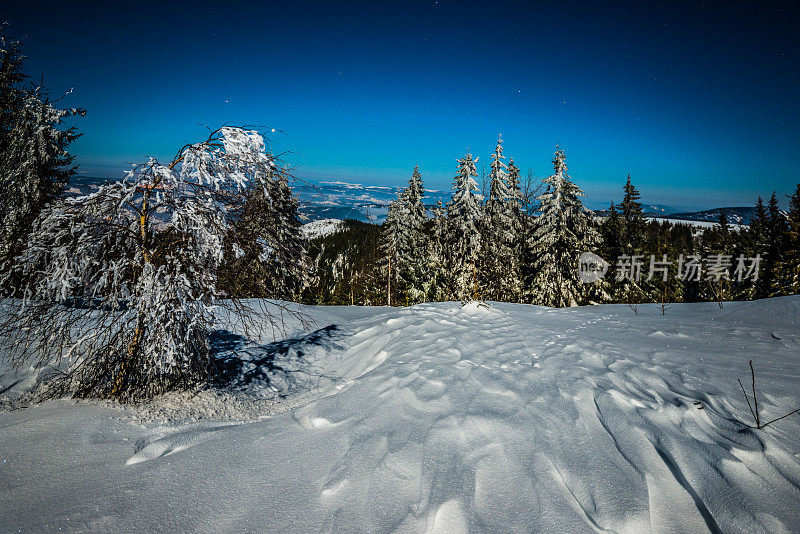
x,y
522,243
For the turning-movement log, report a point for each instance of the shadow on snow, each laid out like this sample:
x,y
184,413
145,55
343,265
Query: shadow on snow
x,y
240,363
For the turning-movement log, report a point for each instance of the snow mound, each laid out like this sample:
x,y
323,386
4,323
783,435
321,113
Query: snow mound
x,y
206,405
476,305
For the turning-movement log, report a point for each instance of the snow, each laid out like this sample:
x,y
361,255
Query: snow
x,y
321,228
443,418
696,224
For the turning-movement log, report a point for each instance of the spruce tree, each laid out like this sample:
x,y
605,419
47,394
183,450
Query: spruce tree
x,y
463,239
632,237
611,232
498,255
437,256
516,229
612,235
717,242
758,240
11,93
776,234
35,164
794,205
789,271
563,230
269,259
285,250
393,235
633,219
405,227
412,243
724,227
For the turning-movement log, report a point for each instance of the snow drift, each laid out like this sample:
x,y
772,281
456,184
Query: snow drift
x,y
442,418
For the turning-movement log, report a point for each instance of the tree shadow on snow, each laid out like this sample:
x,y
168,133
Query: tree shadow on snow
x,y
281,366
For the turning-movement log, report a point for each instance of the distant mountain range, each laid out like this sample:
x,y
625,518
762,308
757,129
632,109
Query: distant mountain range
x,y
370,203
658,209
343,200
740,215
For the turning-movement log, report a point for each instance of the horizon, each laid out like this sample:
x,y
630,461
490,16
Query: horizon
x,y
675,97
301,185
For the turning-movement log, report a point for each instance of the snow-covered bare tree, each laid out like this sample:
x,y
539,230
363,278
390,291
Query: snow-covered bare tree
x,y
463,238
35,165
563,230
119,288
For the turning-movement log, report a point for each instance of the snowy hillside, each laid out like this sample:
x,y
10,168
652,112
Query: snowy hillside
x,y
321,228
439,418
695,224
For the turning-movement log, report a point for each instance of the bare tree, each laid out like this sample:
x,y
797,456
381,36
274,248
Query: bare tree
x,y
531,189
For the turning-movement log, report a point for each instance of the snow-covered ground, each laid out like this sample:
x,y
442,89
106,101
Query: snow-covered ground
x,y
696,224
439,418
321,228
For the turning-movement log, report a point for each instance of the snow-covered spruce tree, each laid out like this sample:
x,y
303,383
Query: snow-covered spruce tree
x,y
499,266
563,230
518,216
393,235
35,165
286,252
463,238
118,288
437,255
266,255
411,242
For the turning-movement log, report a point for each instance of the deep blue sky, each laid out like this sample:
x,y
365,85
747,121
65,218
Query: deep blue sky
x,y
699,104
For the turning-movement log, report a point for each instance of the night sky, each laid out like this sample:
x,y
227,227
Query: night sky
x,y
698,104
